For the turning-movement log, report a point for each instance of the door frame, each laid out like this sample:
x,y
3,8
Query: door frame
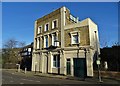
x,y
85,67
67,66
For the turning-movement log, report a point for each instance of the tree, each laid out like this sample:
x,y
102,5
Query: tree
x,y
10,44
22,44
10,51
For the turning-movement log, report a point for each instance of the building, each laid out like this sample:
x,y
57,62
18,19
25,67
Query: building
x,y
26,55
64,45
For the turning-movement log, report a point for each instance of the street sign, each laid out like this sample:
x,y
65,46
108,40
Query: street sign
x,y
98,62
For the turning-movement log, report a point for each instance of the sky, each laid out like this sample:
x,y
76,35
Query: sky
x,y
18,18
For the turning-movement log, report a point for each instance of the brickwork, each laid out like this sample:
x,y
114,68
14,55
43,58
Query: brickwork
x,y
84,36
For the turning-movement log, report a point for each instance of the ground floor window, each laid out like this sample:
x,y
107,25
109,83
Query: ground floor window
x,y
56,61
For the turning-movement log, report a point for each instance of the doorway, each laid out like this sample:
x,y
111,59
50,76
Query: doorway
x,y
68,63
80,67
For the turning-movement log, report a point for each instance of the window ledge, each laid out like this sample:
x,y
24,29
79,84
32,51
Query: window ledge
x,y
75,44
55,67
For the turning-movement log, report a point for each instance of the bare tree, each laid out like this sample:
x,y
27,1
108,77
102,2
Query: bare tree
x,y
21,44
11,49
10,44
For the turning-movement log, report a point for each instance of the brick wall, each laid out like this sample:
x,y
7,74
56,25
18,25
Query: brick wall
x,y
84,36
108,74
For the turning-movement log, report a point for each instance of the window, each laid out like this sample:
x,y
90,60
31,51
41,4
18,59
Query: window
x,y
54,37
25,53
38,43
74,39
46,27
54,24
46,41
29,53
56,61
29,49
39,29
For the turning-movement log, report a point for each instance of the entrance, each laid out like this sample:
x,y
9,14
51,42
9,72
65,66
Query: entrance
x,y
68,67
80,67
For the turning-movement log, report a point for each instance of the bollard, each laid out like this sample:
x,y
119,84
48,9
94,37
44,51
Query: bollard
x,y
25,70
18,67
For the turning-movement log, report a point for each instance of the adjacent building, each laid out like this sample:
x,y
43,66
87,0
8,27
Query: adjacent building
x,y
26,55
64,45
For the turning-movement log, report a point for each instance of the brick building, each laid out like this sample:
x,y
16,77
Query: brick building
x,y
64,45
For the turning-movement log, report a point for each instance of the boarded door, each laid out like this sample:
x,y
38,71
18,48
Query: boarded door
x,y
79,67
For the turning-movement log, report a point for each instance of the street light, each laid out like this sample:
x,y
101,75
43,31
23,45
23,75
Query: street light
x,y
98,59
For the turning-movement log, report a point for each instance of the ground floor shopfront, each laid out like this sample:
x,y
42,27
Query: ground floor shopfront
x,y
68,61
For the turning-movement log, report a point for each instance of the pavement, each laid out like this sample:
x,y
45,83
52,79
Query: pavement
x,y
12,76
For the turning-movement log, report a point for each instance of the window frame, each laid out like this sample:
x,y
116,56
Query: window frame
x,y
56,62
54,38
75,33
74,41
53,27
39,29
45,27
46,42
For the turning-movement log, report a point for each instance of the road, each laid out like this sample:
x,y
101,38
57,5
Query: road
x,y
13,78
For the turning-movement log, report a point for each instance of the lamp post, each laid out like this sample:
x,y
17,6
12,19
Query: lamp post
x,y
98,59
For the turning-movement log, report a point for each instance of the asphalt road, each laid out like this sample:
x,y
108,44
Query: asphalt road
x,y
13,78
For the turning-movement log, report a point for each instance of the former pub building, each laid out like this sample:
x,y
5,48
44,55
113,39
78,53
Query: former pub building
x,y
64,45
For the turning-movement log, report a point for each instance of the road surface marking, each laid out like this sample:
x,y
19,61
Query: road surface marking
x,y
11,81
21,83
30,80
37,81
23,79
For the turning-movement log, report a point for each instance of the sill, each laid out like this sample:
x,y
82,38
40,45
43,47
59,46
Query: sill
x,y
46,30
55,28
55,67
38,33
75,44
45,48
